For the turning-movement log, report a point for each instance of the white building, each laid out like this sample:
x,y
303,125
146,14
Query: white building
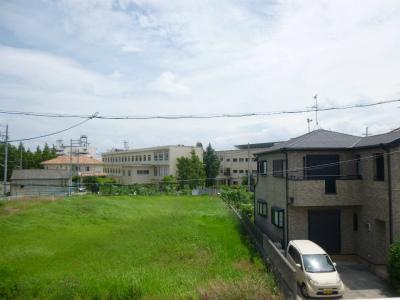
x,y
237,163
79,147
146,165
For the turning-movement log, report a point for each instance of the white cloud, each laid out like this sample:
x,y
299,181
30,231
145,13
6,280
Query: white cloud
x,y
146,56
169,84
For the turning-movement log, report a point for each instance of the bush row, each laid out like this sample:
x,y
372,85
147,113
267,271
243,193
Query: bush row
x,y
240,198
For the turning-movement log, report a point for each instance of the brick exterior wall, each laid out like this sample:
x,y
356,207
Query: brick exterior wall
x,y
365,197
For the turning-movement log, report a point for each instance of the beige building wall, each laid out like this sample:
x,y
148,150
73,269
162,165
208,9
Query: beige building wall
x,y
147,165
238,162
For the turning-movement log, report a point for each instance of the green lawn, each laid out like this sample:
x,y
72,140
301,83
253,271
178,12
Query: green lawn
x,y
122,247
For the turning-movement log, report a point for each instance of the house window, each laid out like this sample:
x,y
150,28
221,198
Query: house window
x,y
241,159
149,157
155,156
129,172
234,171
241,171
234,159
247,159
262,208
140,158
277,216
358,165
379,167
277,168
228,159
166,156
155,171
87,169
263,166
355,222
144,157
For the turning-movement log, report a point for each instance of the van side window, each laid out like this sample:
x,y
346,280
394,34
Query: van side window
x,y
295,255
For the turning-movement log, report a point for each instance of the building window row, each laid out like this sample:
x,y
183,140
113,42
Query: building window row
x,y
143,172
129,158
241,159
112,170
160,156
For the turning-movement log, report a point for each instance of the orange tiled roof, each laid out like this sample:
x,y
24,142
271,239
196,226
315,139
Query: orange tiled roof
x,y
65,160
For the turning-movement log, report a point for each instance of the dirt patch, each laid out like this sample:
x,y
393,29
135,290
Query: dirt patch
x,y
247,288
244,265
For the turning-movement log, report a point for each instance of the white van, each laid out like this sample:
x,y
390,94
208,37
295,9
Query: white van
x,y
315,272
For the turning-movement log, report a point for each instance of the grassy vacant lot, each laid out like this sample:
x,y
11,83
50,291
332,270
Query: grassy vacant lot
x,y
125,247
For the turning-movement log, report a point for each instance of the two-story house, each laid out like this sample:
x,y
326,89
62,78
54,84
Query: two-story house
x,y
338,190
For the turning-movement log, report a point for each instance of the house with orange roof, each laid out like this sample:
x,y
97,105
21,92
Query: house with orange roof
x,y
80,165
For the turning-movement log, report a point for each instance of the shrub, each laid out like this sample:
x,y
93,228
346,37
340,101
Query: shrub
x,y
394,264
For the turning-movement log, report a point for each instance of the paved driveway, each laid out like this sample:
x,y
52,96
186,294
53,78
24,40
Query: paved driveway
x,y
360,282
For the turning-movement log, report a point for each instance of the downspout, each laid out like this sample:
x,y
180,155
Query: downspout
x,y
254,194
390,195
286,231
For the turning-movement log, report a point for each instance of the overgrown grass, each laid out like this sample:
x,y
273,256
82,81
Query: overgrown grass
x,y
125,247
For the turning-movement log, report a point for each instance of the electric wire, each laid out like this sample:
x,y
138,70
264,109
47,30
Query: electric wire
x,y
196,116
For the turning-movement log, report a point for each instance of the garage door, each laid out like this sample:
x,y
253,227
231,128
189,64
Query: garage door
x,y
324,229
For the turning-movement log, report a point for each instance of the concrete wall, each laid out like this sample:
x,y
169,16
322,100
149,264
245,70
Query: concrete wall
x,y
45,187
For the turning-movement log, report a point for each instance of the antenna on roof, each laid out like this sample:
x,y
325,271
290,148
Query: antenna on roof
x,y
366,131
316,107
126,145
308,123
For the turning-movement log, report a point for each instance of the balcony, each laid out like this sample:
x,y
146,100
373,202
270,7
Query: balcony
x,y
337,191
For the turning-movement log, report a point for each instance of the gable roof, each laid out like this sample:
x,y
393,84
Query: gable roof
x,y
325,139
65,160
39,174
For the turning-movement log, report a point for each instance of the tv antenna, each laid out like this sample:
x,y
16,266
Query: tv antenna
x,y
308,123
316,107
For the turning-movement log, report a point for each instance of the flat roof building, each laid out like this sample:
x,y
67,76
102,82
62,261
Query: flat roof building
x,y
146,165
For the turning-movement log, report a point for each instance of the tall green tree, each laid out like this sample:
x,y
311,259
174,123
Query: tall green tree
x,y
191,171
211,165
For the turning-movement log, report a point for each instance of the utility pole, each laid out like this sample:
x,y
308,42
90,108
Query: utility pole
x,y
20,156
366,131
70,169
248,167
308,123
5,161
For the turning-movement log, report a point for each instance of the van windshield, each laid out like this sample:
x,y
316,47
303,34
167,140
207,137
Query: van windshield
x,y
317,263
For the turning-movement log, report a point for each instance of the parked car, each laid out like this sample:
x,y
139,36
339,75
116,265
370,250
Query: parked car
x,y
316,274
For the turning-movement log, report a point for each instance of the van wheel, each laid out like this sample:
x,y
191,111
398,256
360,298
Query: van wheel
x,y
304,290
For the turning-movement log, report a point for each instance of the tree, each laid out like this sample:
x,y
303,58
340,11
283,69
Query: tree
x,y
211,165
245,181
169,183
190,171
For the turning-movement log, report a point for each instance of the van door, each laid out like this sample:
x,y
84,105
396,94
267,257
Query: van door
x,y
294,258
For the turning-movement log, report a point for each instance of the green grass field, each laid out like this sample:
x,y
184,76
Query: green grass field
x,y
123,247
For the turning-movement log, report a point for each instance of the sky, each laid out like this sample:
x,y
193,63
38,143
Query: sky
x,y
154,57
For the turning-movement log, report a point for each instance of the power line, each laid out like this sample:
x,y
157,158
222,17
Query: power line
x,y
197,116
56,132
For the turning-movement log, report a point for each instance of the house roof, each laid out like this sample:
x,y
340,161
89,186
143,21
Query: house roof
x,y
325,139
39,174
65,160
256,146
